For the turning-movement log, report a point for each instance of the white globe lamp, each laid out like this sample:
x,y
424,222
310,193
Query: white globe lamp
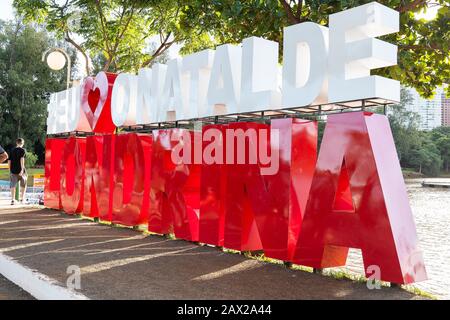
x,y
56,60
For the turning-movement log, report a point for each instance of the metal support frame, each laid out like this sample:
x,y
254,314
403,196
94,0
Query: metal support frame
x,y
315,112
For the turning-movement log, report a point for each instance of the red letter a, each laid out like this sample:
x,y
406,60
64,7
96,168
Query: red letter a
x,y
373,215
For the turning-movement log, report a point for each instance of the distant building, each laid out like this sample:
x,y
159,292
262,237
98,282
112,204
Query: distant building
x,y
445,103
429,110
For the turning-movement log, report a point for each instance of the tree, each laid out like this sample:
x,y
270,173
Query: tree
x,y
441,136
425,156
118,33
25,83
443,145
404,125
30,159
424,61
424,151
120,30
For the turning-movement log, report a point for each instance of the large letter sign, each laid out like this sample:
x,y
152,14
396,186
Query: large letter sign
x,y
53,155
354,52
224,84
131,179
123,100
175,188
72,174
98,170
211,148
96,102
279,200
213,186
241,232
321,66
361,145
150,83
305,80
259,87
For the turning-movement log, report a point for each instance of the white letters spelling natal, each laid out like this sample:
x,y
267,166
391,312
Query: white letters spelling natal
x,y
321,65
259,80
197,68
150,84
123,100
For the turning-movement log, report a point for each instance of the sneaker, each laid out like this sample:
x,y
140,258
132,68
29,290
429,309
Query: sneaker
x,y
13,202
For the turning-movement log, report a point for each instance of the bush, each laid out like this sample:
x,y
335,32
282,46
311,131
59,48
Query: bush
x,y
30,160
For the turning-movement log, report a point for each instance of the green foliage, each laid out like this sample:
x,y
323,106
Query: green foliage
x,y
116,33
30,159
425,156
25,83
119,35
404,125
441,136
423,63
426,152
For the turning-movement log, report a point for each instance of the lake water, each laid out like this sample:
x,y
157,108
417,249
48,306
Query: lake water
x,y
431,208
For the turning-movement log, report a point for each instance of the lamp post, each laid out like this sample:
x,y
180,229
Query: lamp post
x,y
57,59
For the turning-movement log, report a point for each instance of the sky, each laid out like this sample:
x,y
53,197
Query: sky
x,y
430,14
6,9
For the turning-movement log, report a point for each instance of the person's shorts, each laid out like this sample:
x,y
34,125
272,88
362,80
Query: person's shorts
x,y
16,178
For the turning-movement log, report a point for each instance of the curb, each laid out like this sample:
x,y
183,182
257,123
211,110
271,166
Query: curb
x,y
36,284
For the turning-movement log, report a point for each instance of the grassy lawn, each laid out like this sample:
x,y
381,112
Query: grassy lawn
x,y
4,174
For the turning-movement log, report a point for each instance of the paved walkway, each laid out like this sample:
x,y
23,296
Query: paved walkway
x,y
120,263
6,204
9,291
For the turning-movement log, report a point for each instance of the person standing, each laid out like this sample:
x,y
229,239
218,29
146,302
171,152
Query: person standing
x,y
3,155
18,170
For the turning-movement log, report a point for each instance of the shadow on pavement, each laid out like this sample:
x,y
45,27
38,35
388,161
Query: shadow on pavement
x,y
120,263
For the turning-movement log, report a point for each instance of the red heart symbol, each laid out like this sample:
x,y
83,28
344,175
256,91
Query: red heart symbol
x,y
93,99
